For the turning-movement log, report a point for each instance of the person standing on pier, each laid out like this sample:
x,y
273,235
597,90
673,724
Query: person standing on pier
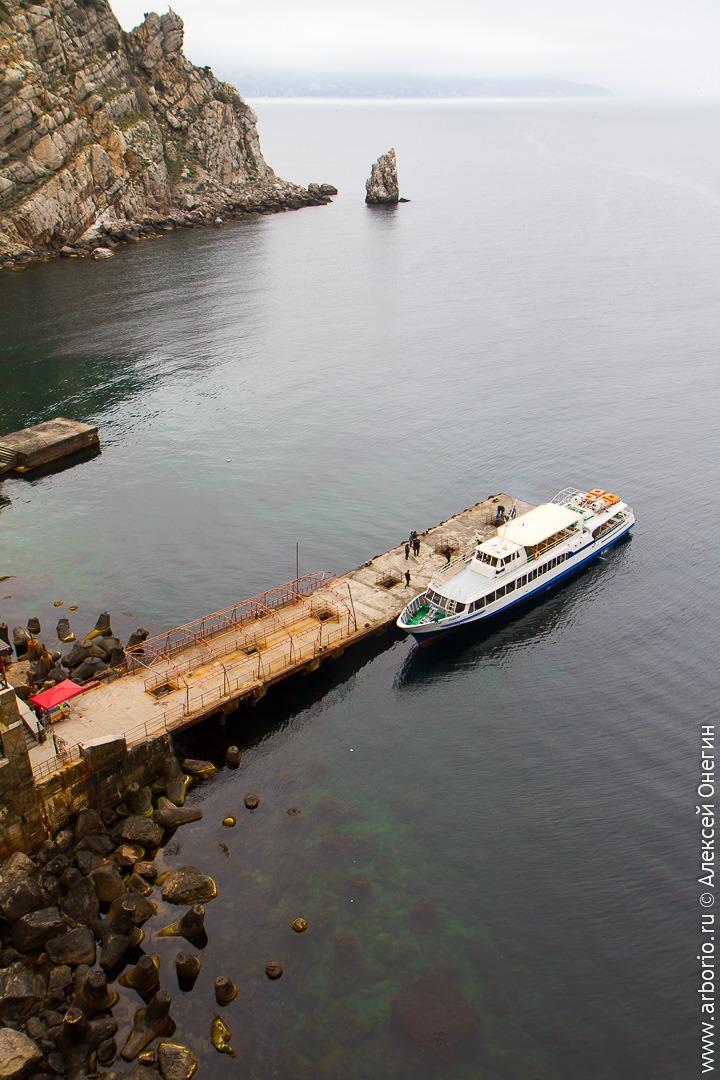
x,y
407,578
416,545
407,550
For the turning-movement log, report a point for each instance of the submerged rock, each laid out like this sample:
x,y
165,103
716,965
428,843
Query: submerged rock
x,y
433,1013
176,1062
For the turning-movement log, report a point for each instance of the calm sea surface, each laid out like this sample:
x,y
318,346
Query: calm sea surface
x,y
544,312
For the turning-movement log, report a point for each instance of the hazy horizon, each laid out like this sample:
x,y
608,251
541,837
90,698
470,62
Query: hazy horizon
x,y
658,49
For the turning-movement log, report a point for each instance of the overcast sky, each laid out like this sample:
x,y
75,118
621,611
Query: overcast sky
x,y
632,47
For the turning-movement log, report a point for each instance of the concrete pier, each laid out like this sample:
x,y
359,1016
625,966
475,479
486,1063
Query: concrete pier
x,y
33,447
233,656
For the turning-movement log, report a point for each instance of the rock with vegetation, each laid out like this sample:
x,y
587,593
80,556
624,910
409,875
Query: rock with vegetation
x,y
107,136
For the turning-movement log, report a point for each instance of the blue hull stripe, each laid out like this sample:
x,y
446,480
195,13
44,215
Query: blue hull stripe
x,y
432,634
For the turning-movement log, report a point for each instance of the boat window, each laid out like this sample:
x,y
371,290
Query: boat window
x,y
500,592
532,575
523,580
489,598
459,608
511,586
480,603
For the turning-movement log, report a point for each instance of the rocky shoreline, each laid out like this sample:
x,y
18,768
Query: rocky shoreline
x,y
98,655
71,920
109,137
100,240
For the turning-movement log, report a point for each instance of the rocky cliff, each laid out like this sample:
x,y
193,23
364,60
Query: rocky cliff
x,y
106,134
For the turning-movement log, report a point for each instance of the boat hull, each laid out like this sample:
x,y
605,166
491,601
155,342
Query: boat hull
x,y
424,636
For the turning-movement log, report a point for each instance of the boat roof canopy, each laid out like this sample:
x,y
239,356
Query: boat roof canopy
x,y
497,546
538,524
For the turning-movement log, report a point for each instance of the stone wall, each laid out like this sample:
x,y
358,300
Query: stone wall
x,y
30,812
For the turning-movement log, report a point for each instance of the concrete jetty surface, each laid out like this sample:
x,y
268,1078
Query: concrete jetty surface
x,y
41,444
233,656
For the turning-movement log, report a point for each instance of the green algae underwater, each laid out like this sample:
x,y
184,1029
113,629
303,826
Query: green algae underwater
x,y
377,857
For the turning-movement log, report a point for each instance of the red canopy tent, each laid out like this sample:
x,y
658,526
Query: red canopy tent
x,y
48,699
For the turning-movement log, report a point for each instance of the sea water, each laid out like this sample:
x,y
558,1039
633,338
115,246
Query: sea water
x,y
542,313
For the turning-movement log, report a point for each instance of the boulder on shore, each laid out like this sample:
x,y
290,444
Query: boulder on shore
x,y
19,1055
382,186
187,885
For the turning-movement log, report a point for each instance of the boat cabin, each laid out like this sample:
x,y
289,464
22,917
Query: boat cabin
x,y
495,556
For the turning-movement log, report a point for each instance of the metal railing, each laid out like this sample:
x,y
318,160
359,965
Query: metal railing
x,y
247,674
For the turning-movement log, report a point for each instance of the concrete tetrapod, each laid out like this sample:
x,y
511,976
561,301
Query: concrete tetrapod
x,y
144,977
149,1023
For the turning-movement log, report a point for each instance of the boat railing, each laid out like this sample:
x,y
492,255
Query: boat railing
x,y
564,497
453,566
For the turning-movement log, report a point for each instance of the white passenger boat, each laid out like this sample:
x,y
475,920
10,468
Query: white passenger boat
x,y
529,554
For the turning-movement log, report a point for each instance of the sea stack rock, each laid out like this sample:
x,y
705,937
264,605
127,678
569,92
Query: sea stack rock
x,y
382,187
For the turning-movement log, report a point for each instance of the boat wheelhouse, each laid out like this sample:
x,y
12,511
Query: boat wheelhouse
x,y
527,555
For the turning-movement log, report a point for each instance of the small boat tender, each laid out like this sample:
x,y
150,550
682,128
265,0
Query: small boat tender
x,y
528,554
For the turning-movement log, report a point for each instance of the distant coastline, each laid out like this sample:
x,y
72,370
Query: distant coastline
x,y
268,83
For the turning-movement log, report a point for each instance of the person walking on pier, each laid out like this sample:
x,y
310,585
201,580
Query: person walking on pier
x,y
407,578
407,550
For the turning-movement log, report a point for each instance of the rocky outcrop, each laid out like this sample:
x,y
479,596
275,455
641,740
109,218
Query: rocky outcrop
x,y
382,185
107,136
